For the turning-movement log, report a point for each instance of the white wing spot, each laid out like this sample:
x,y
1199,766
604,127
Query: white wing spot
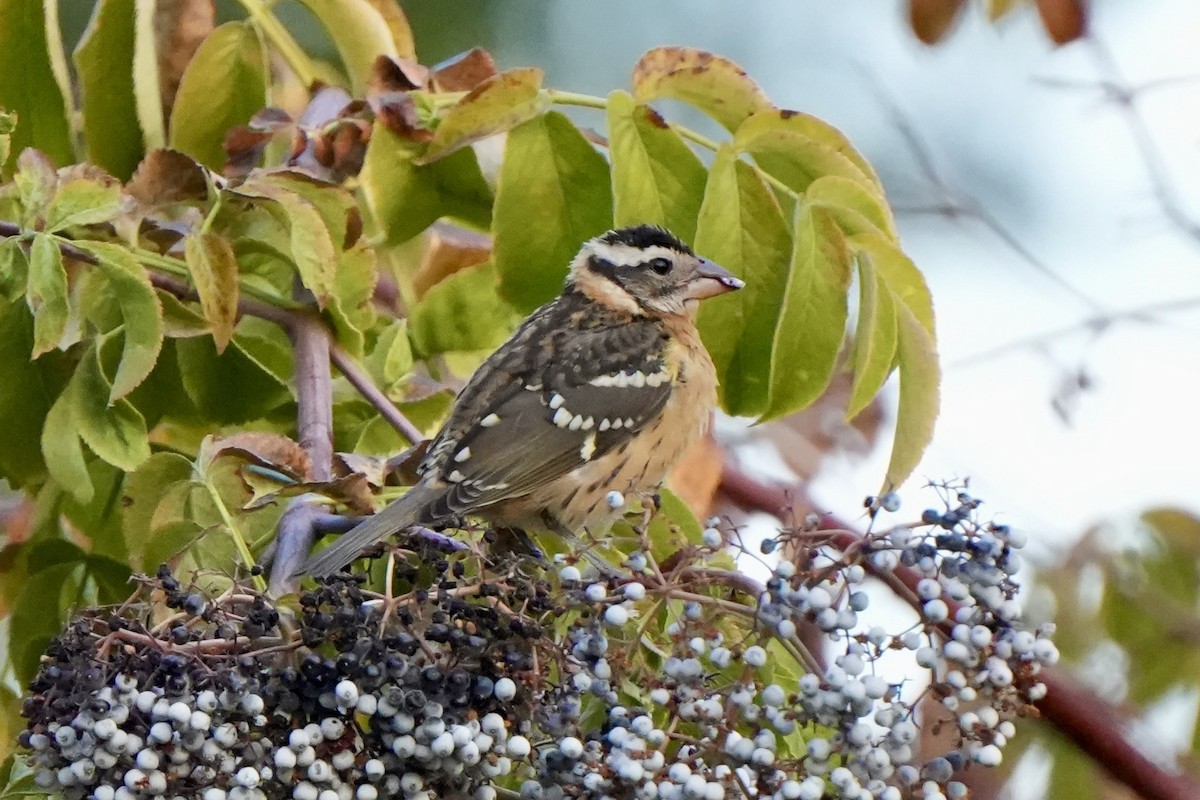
x,y
489,421
561,418
629,422
462,455
576,423
588,423
589,447
556,401
638,380
617,423
604,425
456,477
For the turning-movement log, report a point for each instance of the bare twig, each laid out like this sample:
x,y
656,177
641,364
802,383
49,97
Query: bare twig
x,y
954,202
361,381
1088,721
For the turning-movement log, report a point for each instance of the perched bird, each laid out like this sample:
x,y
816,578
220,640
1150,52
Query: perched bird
x,y
600,390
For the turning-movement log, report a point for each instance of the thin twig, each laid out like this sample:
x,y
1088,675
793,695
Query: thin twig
x,y
361,381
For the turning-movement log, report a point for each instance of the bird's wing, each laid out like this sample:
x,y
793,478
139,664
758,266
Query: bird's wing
x,y
577,388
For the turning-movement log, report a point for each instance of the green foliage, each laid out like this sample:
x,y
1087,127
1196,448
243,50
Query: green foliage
x,y
150,299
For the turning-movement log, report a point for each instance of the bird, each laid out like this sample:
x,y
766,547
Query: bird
x,y
601,390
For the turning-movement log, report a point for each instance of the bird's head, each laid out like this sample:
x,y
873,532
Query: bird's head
x,y
646,270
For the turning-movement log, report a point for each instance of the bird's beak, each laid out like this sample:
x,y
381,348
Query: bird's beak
x,y
710,280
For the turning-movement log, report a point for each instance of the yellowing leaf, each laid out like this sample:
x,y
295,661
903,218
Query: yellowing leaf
x,y
742,228
46,294
900,275
223,86
462,312
554,194
8,123
812,318
657,178
142,331
83,201
398,27
311,246
498,104
352,310
405,198
214,273
359,31
64,452
798,148
874,337
28,85
856,207
116,432
715,85
920,376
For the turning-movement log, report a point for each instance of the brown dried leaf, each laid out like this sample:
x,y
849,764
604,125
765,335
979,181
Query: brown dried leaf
x,y
179,28
269,450
374,468
245,144
715,85
450,248
398,113
167,176
931,20
397,75
1064,20
465,71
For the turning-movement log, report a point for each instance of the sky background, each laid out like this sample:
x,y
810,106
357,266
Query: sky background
x,y
1019,129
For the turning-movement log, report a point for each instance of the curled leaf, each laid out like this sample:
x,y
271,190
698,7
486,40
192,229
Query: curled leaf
x,y
715,85
798,149
494,106
360,33
214,271
465,71
167,176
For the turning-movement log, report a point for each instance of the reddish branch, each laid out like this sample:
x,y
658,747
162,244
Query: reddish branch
x,y
1087,720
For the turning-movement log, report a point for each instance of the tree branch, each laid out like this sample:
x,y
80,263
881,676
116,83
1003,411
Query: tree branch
x,y
361,381
1088,721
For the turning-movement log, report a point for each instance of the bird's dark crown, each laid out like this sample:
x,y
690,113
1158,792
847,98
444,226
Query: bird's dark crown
x,y
644,236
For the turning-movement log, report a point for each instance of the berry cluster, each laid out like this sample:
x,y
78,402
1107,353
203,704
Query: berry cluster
x,y
683,680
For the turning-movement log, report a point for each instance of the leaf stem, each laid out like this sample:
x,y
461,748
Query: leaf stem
x,y
273,29
239,541
562,98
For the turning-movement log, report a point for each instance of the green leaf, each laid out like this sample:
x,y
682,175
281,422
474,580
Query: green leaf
x,y
352,310
742,228
27,83
903,279
798,149
63,451
405,198
397,353
553,175
14,271
26,394
46,294
656,177
856,207
715,85
114,431
673,527
143,321
83,201
104,62
39,614
223,86
920,376
146,87
214,273
812,319
360,33
874,337
462,312
8,123
144,491
310,243
257,361
500,103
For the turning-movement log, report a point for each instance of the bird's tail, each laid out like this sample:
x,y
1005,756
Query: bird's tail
x,y
409,510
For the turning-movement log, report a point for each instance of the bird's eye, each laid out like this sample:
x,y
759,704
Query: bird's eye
x,y
661,265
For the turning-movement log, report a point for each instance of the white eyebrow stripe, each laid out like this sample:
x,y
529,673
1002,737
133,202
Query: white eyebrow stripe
x,y
624,255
